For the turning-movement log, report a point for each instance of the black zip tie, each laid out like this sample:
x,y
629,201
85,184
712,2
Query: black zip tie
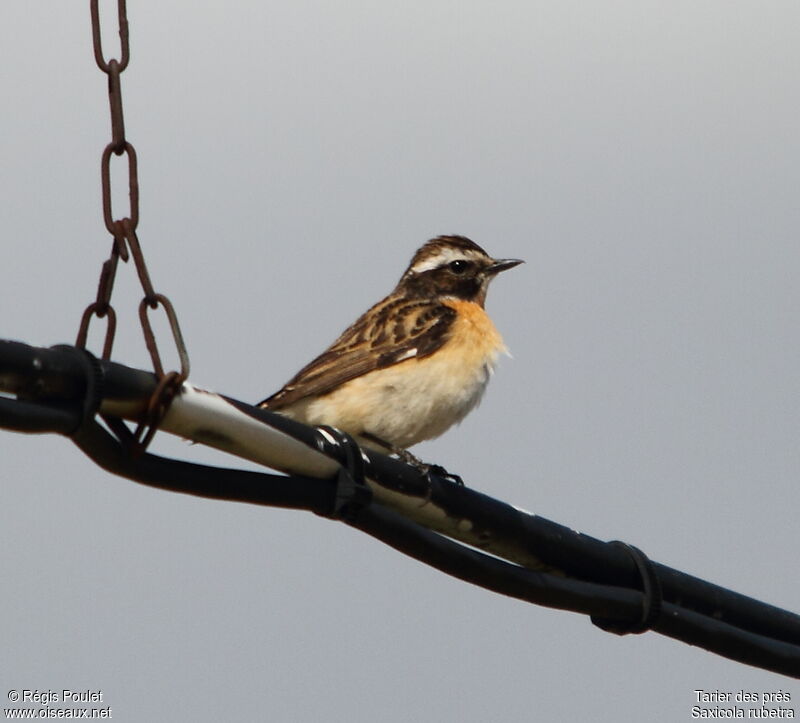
x,y
352,492
93,393
651,600
93,398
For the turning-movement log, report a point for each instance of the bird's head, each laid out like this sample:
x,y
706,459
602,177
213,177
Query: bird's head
x,y
452,267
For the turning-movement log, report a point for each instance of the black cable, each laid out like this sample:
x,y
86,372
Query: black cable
x,y
59,390
433,549
38,418
219,483
57,372
566,594
587,558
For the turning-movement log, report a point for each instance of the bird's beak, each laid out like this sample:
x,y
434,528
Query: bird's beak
x,y
499,265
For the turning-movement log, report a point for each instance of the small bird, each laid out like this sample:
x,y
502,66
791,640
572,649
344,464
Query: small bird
x,y
414,364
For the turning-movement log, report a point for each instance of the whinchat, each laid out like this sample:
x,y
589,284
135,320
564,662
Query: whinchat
x,y
413,365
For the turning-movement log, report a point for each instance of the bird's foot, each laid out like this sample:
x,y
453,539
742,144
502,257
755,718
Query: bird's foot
x,y
412,460
440,471
427,469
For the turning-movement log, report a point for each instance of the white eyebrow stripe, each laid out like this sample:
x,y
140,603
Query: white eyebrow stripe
x,y
444,256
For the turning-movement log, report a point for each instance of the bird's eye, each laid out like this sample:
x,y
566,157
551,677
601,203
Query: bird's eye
x,y
459,266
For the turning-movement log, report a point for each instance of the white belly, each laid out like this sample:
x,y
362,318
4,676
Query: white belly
x,y
404,404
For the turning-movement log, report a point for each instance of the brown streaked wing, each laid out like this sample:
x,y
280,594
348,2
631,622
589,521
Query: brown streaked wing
x,y
390,332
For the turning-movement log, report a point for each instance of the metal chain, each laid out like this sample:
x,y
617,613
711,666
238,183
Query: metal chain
x,y
126,244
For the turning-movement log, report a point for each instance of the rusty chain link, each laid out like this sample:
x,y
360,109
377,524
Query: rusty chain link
x,y
126,244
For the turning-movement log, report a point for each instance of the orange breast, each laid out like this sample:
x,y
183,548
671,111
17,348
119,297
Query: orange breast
x,y
474,336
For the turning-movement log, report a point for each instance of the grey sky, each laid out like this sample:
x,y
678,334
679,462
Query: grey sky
x,y
641,156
